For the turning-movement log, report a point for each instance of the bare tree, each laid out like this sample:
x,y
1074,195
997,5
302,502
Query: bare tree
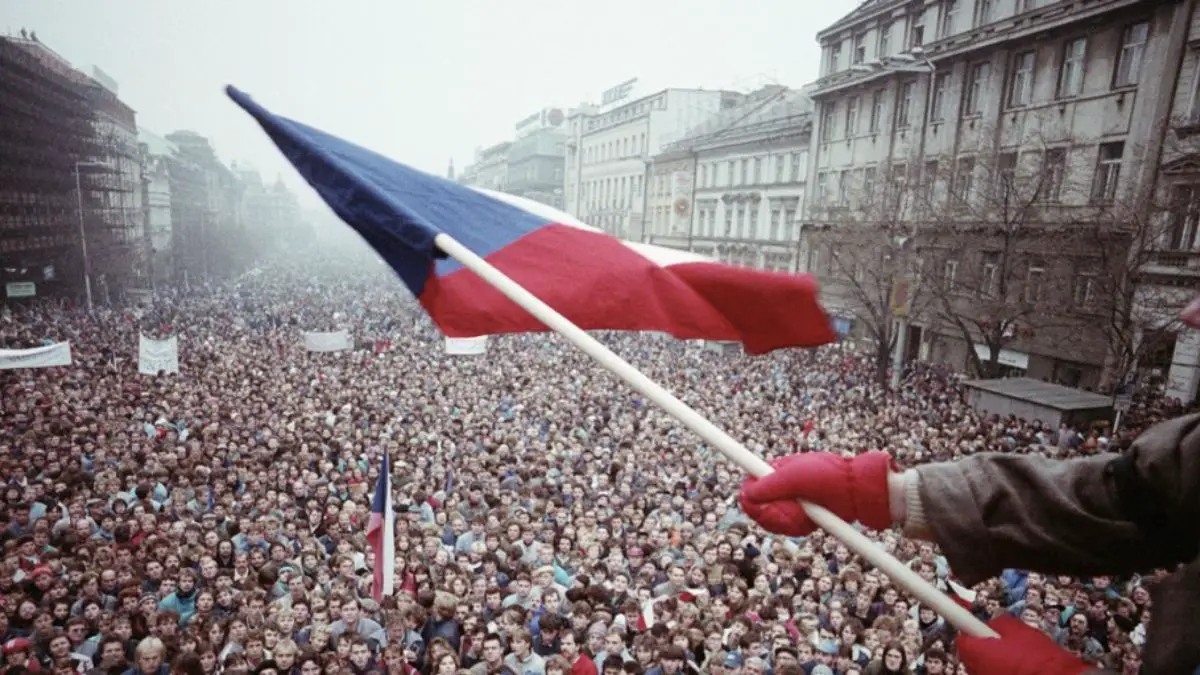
x,y
1000,241
863,253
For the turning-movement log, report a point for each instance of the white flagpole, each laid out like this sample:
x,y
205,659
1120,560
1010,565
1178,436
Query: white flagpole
x,y
737,453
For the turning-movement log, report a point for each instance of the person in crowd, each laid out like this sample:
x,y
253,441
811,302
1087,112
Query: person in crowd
x,y
547,520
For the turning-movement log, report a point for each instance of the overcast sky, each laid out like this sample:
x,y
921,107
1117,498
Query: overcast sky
x,y
420,80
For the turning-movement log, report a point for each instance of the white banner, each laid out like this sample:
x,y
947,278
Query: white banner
x,y
155,356
20,289
467,346
38,357
328,342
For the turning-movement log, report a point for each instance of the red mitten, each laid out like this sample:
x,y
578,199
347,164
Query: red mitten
x,y
1021,650
855,489
1191,313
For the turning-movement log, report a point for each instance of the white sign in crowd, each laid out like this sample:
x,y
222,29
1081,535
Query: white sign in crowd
x,y
473,346
336,341
158,356
38,357
162,356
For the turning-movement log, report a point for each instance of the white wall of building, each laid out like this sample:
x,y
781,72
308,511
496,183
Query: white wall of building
x,y
607,166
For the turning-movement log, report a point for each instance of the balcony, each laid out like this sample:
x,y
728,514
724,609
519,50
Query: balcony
x,y
1174,263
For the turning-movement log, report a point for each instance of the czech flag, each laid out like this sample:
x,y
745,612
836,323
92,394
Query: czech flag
x,y
594,280
381,534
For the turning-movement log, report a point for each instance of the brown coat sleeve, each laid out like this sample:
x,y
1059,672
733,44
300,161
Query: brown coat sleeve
x,y
1109,514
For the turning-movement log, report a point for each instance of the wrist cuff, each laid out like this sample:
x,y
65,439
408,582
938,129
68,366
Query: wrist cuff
x,y
915,524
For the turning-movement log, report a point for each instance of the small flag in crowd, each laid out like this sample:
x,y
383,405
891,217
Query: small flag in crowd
x,y
381,534
596,281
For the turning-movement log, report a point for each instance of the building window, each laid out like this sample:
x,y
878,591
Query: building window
x,y
774,232
827,121
1054,167
1006,167
1035,283
1070,71
1084,291
929,177
851,117
822,188
835,57
916,32
904,104
703,175
780,166
728,221
964,178
758,170
740,221
1133,49
949,275
976,86
868,181
789,225
937,106
844,188
1108,171
1194,110
883,45
876,110
988,279
795,167
983,12
1184,219
1021,87
949,16
744,177
860,48
752,222
730,170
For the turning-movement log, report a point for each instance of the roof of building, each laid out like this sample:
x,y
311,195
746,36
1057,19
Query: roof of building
x,y
155,144
1042,393
764,106
864,9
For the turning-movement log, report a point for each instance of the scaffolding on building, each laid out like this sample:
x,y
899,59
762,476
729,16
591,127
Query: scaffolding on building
x,y
62,181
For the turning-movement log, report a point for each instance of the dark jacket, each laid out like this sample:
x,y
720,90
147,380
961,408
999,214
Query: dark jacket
x,y
1108,514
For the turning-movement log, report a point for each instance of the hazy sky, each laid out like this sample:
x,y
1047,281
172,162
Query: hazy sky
x,y
419,80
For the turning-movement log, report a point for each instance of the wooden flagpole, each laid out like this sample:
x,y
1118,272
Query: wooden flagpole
x,y
737,453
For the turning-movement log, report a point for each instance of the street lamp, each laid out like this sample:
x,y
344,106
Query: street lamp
x,y
87,272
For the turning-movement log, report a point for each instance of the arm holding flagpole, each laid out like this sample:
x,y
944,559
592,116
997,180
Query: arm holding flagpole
x,y
726,444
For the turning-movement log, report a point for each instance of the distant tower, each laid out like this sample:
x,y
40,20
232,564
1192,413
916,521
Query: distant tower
x,y
450,170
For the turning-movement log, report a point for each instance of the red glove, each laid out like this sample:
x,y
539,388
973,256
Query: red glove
x,y
855,489
1191,314
1021,650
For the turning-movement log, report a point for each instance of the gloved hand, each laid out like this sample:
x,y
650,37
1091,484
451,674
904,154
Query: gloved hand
x,y
1191,314
854,489
1021,650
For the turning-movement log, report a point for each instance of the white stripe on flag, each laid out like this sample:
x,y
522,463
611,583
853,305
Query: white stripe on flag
x,y
389,540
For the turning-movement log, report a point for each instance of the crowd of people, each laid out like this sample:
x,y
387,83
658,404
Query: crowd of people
x,y
549,520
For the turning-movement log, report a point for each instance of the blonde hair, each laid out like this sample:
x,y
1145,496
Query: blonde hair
x,y
149,646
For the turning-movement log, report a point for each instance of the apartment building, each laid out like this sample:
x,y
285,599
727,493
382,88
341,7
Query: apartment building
x,y
733,188
610,146
942,100
1172,266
